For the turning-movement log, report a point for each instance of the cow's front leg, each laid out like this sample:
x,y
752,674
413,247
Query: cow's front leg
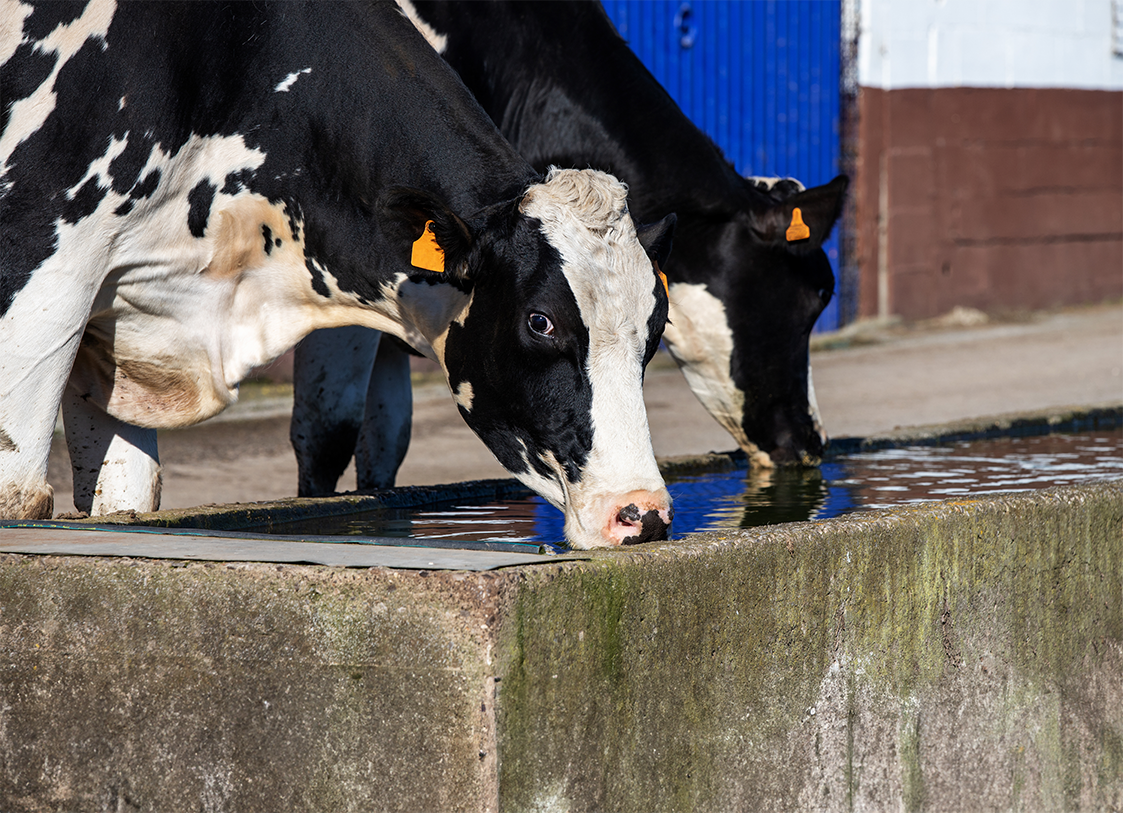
x,y
25,444
116,466
39,337
331,373
384,437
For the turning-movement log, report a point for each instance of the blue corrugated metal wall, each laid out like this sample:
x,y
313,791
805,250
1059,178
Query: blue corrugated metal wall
x,y
760,77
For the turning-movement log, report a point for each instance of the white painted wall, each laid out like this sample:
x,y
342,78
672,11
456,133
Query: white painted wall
x,y
991,43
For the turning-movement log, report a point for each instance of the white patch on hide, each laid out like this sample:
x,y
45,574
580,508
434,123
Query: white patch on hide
x,y
813,407
701,343
463,395
290,80
766,182
438,41
28,114
12,13
421,314
555,489
178,321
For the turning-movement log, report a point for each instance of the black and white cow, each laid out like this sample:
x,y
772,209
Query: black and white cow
x,y
187,189
565,89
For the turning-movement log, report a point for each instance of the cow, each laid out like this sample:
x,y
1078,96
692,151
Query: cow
x,y
187,189
747,282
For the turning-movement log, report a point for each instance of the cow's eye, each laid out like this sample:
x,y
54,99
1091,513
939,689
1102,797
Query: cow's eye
x,y
540,323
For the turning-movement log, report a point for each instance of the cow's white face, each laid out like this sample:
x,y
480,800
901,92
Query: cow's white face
x,y
549,370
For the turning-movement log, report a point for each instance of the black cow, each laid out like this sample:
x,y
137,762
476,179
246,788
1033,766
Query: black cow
x,y
187,189
745,286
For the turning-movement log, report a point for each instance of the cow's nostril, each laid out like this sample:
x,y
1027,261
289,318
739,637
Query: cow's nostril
x,y
645,527
629,515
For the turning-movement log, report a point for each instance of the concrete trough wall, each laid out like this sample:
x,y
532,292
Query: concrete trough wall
x,y
954,656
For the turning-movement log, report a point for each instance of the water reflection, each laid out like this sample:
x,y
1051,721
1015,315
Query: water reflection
x,y
511,520
745,499
889,477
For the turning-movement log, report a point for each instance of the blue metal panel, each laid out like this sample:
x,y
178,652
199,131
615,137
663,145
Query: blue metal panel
x,y
760,77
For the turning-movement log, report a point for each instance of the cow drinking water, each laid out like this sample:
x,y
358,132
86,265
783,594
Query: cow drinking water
x,y
187,189
745,288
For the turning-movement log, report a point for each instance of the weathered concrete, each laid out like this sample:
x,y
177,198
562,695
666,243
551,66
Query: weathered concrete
x,y
965,655
142,685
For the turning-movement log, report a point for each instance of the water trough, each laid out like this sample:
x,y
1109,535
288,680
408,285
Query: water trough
x,y
962,654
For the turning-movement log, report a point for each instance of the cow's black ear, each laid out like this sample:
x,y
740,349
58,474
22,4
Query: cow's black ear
x,y
428,234
656,238
804,220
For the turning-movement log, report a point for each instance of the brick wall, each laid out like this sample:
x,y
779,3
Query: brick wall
x,y
999,199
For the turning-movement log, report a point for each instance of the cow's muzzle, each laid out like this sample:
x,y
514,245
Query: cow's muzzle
x,y
642,516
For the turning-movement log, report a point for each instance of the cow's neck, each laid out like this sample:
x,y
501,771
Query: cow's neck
x,y
635,132
353,127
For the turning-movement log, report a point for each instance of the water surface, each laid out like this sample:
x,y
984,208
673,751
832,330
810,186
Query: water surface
x,y
743,499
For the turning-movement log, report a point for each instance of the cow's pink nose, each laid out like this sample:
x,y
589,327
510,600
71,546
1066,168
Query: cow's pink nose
x,y
641,516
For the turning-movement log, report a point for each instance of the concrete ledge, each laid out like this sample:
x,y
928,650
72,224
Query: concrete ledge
x,y
1021,424
75,539
961,655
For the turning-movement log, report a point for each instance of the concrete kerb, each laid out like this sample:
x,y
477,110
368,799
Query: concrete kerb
x,y
957,655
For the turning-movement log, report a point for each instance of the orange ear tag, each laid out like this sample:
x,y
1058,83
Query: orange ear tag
x,y
663,278
798,230
427,253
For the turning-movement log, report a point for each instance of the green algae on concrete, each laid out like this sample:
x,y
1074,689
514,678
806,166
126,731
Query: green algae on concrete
x,y
951,656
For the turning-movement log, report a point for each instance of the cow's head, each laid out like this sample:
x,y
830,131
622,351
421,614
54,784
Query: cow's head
x,y
741,333
563,309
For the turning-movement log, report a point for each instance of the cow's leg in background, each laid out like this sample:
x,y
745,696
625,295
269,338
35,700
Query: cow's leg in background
x,y
331,373
116,466
384,437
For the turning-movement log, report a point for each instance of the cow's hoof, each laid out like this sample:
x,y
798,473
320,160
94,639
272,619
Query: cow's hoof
x,y
34,502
